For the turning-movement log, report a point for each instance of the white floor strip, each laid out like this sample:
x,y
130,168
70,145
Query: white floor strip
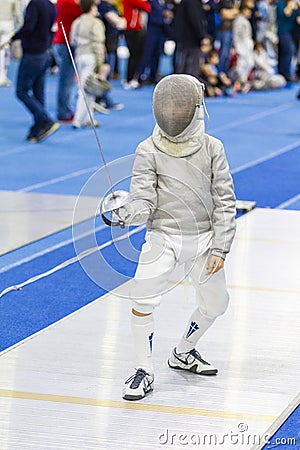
x,y
48,250
20,149
252,118
69,262
272,155
289,202
69,176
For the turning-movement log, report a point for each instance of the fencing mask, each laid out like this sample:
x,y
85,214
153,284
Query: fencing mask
x,y
175,100
178,110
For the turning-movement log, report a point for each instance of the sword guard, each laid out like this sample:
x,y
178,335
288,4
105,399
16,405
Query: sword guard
x,y
112,203
110,223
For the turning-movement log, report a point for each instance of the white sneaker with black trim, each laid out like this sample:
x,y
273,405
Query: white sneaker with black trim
x,y
191,361
138,385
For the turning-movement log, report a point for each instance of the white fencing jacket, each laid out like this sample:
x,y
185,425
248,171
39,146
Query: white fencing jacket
x,y
189,194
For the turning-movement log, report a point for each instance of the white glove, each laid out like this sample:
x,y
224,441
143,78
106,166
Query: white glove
x,y
122,214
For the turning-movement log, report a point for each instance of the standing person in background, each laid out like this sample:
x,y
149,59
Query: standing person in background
x,y
88,37
114,23
228,10
11,19
267,28
190,27
244,46
135,37
210,9
36,36
159,20
286,22
67,12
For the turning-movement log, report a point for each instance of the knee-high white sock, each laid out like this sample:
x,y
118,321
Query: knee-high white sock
x,y
143,329
196,327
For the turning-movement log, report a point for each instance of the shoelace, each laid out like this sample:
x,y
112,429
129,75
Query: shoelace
x,y
198,356
136,378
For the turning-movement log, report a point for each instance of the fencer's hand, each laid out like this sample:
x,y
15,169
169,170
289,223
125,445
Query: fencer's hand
x,y
120,214
215,263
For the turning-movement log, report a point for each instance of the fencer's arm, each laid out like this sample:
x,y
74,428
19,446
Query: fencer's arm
x,y
223,218
142,188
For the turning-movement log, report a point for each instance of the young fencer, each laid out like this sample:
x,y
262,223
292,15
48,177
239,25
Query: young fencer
x,y
182,188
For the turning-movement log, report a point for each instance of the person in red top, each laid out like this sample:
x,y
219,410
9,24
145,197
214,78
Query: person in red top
x,y
67,12
135,37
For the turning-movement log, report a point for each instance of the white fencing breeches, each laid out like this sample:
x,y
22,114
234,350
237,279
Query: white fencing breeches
x,y
159,257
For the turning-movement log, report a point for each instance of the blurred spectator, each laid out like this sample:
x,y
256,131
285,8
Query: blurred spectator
x,y
286,21
10,20
135,37
36,36
255,16
297,41
228,10
113,23
190,27
88,37
207,44
267,27
217,84
210,9
67,12
159,19
243,44
264,74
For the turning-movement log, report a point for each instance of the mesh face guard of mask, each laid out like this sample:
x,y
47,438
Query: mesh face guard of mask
x,y
175,100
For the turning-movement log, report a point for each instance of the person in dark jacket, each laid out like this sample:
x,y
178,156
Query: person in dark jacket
x,y
190,27
159,20
36,36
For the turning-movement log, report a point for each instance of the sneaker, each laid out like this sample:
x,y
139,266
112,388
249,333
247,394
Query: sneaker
x,y
132,84
191,361
46,130
101,108
5,83
76,124
32,133
88,123
138,385
117,106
